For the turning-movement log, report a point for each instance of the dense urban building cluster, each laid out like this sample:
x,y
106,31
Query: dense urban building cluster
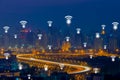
x,y
54,38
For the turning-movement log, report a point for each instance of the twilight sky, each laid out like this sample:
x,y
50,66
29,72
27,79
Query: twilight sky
x,y
87,14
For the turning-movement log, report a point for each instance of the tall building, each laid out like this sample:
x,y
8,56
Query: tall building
x,y
113,38
98,42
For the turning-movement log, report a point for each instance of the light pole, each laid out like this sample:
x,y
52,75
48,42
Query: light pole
x,y
6,37
105,47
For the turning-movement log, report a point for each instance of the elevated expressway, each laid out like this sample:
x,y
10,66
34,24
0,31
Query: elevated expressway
x,y
76,68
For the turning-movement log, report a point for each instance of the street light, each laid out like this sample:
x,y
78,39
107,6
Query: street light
x,y
50,23
23,23
6,28
115,25
68,19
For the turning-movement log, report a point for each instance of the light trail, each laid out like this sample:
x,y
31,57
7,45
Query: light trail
x,y
78,67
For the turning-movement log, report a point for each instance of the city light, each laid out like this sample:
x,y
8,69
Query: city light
x,y
105,46
113,58
96,70
61,66
6,28
49,47
68,19
23,23
115,25
29,76
50,23
45,67
91,56
97,35
20,66
85,44
15,36
78,30
103,26
6,55
67,38
39,36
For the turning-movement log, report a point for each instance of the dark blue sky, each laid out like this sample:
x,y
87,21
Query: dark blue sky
x,y
87,14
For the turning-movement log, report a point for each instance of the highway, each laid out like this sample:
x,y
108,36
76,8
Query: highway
x,y
78,67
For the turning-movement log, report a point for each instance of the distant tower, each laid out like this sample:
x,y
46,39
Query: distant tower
x,y
15,41
68,19
114,38
68,29
103,29
23,34
103,35
50,33
50,23
23,23
98,43
78,39
105,47
6,36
